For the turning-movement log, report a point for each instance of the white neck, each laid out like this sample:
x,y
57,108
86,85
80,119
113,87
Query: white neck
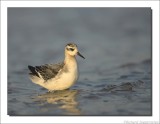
x,y
70,60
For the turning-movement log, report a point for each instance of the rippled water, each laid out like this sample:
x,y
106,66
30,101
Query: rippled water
x,y
116,76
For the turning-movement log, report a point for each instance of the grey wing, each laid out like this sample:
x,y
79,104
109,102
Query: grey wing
x,y
49,71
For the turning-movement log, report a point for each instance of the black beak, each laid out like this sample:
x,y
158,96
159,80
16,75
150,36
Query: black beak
x,y
80,55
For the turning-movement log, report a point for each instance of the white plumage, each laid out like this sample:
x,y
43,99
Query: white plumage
x,y
59,76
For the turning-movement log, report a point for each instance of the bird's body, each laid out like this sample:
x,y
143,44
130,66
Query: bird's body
x,y
59,76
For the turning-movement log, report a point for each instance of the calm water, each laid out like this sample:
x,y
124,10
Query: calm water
x,y
115,78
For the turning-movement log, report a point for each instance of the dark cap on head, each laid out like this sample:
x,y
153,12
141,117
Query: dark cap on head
x,y
71,44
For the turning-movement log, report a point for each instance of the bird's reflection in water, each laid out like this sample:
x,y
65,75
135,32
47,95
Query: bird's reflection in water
x,y
65,100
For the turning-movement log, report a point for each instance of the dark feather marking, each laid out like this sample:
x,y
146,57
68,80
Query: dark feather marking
x,y
33,71
48,71
71,44
71,49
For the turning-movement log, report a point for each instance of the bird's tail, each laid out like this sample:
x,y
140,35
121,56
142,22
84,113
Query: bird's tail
x,y
33,71
35,77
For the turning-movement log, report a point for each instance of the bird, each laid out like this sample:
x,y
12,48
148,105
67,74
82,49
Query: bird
x,y
60,76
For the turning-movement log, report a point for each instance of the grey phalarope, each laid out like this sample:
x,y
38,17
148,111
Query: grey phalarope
x,y
59,76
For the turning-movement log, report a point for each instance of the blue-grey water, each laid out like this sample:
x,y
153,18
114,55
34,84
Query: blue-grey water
x,y
115,78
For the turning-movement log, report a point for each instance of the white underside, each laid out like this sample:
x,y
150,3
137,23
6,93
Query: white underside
x,y
62,81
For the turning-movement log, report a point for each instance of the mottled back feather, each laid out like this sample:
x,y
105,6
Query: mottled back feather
x,y
49,71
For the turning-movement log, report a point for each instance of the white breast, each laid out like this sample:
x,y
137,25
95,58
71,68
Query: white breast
x,y
65,79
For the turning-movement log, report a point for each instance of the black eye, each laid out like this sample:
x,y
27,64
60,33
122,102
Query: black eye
x,y
71,49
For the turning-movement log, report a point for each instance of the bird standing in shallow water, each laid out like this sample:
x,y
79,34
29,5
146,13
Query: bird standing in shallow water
x,y
59,76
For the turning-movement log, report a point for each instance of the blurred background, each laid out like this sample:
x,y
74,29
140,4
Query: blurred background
x,y
116,43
